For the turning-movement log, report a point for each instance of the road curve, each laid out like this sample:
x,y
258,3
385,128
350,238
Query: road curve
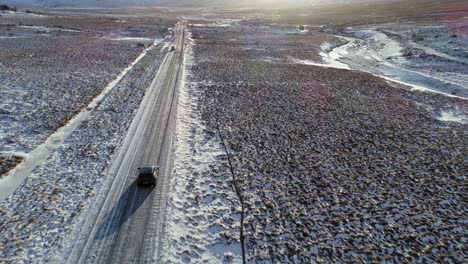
x,y
126,221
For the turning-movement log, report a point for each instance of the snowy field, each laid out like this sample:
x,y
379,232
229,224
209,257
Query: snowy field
x,y
59,190
338,141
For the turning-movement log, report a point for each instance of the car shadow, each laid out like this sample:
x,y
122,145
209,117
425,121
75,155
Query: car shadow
x,y
130,200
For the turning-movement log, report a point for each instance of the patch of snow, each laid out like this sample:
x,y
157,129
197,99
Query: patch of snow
x,y
376,45
269,59
218,23
49,29
10,37
451,116
415,86
157,41
434,52
328,63
132,39
15,153
20,13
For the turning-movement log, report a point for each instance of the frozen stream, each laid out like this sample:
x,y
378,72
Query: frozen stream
x,y
374,52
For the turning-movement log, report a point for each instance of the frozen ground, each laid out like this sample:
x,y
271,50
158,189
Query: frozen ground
x,y
203,214
46,80
334,165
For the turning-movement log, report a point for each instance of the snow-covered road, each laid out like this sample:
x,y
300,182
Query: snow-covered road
x,y
125,222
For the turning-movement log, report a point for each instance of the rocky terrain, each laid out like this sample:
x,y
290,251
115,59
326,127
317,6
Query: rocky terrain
x,y
334,165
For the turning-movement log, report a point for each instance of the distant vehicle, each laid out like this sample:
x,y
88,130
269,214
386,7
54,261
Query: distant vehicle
x,y
172,48
148,175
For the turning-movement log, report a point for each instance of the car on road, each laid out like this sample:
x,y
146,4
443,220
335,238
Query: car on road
x,y
172,48
148,175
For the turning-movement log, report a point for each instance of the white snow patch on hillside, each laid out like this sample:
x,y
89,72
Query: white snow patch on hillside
x,y
381,45
451,116
328,63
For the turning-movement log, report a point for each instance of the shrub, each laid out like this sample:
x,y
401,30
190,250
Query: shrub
x,y
7,7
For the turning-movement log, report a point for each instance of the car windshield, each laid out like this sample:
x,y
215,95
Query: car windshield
x,y
146,170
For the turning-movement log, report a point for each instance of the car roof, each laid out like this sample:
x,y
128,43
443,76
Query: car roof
x,y
147,169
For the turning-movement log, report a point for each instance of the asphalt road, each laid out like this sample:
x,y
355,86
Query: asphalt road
x,y
125,223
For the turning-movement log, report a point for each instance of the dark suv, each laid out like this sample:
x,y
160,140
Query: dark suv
x,y
148,175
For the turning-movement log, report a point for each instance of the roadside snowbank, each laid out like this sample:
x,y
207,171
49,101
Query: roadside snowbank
x,y
49,29
203,212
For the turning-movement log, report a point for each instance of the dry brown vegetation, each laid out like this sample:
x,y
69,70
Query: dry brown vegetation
x,y
8,162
